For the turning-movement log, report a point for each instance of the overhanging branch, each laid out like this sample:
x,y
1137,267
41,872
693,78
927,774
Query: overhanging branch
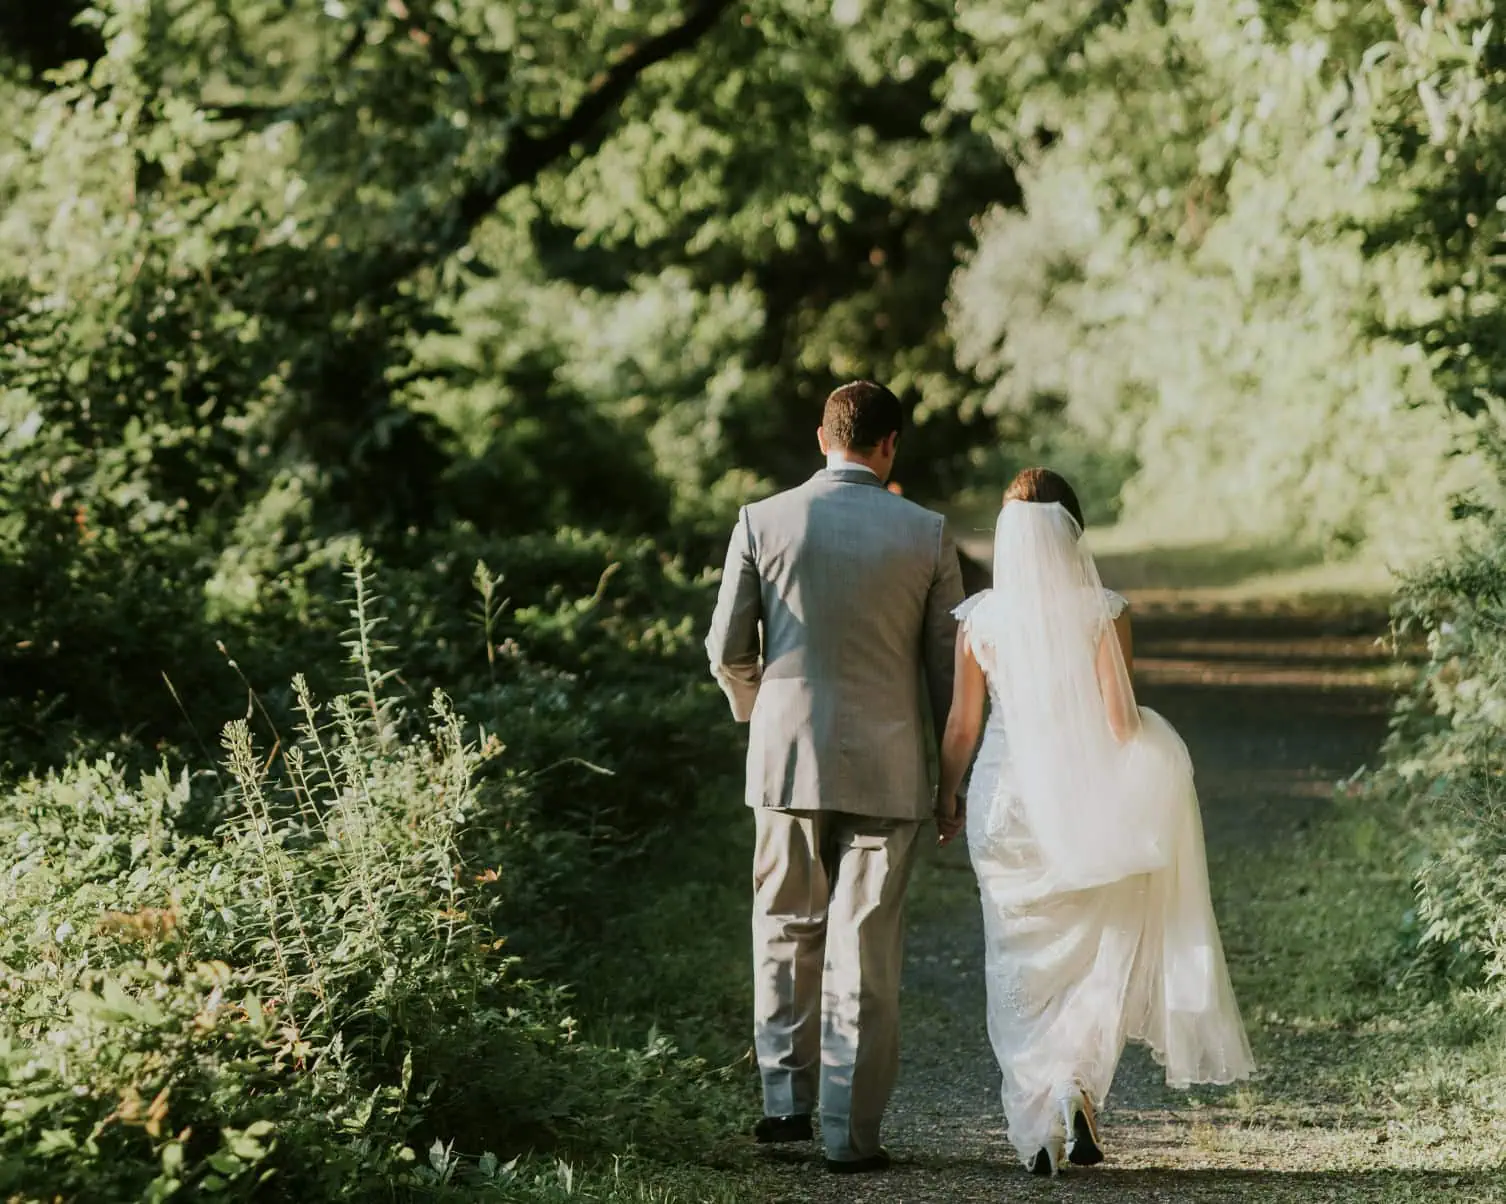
x,y
529,155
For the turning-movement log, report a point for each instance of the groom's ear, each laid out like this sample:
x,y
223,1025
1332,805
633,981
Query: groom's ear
x,y
823,441
889,445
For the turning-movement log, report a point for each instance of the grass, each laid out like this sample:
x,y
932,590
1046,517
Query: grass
x,y
676,960
1345,1023
1169,567
673,962
628,1181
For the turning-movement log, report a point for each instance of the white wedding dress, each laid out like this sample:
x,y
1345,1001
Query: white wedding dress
x,y
1098,924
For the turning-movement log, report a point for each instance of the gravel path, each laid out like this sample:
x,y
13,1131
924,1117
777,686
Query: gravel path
x,y
1277,706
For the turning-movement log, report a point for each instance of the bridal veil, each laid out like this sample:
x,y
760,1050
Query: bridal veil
x,y
1104,791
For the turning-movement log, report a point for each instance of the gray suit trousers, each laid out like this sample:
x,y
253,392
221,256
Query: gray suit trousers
x,y
828,943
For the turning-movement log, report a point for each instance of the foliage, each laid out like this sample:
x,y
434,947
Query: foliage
x,y
1190,280
272,275
1445,751
1444,137
313,992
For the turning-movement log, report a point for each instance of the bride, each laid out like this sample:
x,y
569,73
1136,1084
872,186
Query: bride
x,y
1083,828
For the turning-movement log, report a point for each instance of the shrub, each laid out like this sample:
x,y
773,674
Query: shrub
x,y
301,1000
1446,751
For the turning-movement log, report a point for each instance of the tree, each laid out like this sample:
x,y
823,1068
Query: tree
x,y
1189,282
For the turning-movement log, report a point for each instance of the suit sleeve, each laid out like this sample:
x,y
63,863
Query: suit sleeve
x,y
941,628
734,644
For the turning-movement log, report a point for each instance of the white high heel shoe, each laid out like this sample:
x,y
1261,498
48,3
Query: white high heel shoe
x,y
1081,1124
1048,1159
1053,1152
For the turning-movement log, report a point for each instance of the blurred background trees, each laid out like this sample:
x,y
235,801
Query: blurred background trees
x,y
381,267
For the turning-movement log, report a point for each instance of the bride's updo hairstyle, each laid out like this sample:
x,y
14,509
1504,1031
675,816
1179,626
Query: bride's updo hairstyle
x,y
1043,485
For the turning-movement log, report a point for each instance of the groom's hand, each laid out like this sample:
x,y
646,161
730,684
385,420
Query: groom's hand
x,y
951,818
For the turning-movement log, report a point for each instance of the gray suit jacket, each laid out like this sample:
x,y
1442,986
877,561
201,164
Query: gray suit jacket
x,y
854,589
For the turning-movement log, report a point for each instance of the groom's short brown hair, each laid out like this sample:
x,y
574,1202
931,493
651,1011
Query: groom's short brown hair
x,y
860,415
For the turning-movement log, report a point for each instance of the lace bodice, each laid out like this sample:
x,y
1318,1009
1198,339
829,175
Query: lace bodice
x,y
983,650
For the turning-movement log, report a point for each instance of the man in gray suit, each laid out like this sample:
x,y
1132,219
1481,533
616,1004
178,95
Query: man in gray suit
x,y
833,623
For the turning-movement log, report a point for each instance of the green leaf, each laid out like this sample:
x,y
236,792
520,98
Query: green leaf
x,y
55,1141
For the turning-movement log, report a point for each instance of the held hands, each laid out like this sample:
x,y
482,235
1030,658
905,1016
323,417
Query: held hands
x,y
951,818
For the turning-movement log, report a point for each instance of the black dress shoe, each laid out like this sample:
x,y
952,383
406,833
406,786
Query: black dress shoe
x,y
860,1166
775,1130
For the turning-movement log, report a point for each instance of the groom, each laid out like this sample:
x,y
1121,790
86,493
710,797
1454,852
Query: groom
x,y
835,604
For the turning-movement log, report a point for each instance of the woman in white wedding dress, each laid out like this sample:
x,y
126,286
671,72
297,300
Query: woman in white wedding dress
x,y
1083,829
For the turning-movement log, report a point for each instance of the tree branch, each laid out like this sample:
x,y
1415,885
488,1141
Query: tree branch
x,y
528,155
